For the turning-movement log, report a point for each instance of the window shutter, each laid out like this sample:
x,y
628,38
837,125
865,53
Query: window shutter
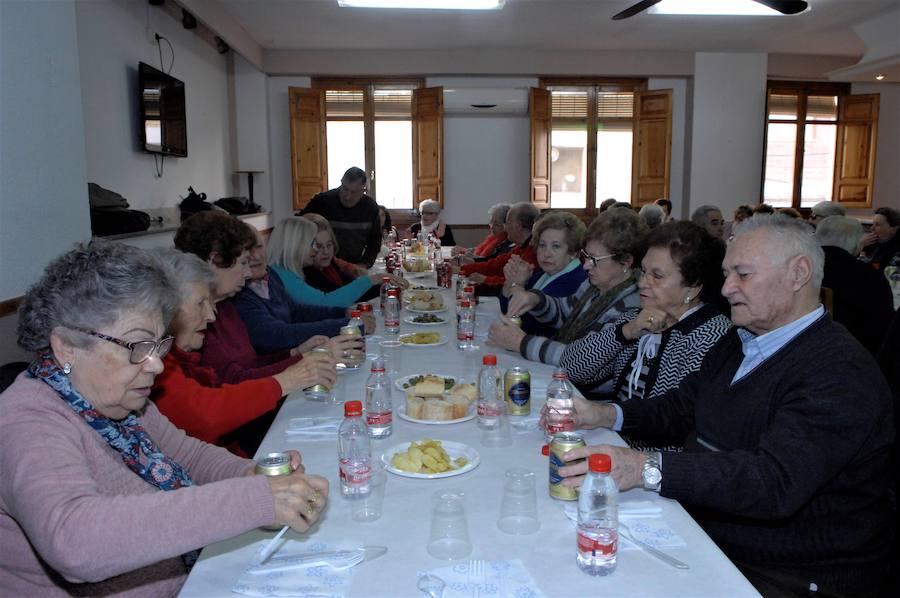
x,y
854,171
652,146
539,105
428,144
309,166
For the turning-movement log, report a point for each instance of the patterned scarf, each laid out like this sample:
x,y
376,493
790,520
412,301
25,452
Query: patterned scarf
x,y
127,436
588,309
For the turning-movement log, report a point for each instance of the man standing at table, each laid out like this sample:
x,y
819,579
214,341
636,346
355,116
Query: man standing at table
x,y
353,216
519,221
787,430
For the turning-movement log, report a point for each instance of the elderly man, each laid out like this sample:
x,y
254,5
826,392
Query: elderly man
x,y
862,298
787,429
353,216
489,274
710,218
823,210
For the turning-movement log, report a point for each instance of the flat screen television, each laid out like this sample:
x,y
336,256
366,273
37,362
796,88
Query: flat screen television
x,y
163,124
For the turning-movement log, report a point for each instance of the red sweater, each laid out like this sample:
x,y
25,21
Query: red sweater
x,y
227,350
489,244
191,396
493,269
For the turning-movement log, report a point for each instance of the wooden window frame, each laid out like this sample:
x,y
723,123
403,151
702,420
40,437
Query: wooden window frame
x,y
367,85
803,89
593,85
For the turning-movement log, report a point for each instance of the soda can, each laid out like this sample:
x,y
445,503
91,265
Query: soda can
x,y
517,388
515,321
562,443
354,358
318,392
274,465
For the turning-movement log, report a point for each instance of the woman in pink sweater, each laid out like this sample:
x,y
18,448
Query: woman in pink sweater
x,y
100,493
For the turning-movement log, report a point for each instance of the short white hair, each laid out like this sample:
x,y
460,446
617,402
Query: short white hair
x,y
430,203
789,237
824,209
652,214
839,231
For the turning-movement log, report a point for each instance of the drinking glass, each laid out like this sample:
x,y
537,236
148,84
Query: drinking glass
x,y
368,506
498,436
449,537
518,506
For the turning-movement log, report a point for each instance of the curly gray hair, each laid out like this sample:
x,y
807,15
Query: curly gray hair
x,y
89,287
185,269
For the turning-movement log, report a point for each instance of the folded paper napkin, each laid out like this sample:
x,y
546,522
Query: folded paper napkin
x,y
644,519
502,579
314,427
525,425
303,580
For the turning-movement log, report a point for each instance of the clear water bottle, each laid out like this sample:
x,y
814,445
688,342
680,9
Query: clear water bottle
x,y
560,405
356,320
598,519
469,293
490,394
385,287
379,406
354,452
392,312
465,326
461,283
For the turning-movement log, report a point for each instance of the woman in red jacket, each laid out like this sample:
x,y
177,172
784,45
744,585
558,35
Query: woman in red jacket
x,y
192,396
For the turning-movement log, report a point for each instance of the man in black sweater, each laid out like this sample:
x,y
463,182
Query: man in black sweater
x,y
787,430
353,216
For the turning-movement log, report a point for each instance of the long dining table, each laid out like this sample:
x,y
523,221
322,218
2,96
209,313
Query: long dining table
x,y
548,554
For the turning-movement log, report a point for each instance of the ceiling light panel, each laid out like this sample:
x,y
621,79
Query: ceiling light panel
x,y
712,7
426,4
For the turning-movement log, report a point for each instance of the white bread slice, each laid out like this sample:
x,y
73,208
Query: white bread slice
x,y
465,390
431,386
460,405
414,406
437,410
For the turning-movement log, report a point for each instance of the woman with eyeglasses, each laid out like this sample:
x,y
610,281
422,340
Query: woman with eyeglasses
x,y
612,244
193,397
100,494
431,222
650,350
557,238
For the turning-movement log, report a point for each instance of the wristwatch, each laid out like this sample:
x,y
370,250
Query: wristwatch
x,y
652,472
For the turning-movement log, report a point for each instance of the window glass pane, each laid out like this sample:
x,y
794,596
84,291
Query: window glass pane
x,y
568,168
818,164
346,148
782,106
781,144
821,108
344,103
393,103
569,103
393,164
613,162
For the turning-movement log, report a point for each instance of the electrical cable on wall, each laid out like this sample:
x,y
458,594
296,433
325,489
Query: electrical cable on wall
x,y
162,65
160,163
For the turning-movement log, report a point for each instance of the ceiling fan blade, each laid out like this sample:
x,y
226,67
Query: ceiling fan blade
x,y
785,7
635,9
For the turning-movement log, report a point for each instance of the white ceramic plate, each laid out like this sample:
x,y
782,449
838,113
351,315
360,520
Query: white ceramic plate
x,y
412,320
422,287
454,450
399,382
401,413
427,311
441,341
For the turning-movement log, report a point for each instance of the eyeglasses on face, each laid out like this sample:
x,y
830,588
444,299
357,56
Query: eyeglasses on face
x,y
593,260
317,246
140,350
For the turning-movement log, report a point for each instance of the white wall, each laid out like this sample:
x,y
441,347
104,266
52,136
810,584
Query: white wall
x,y
113,36
729,101
280,144
887,158
251,116
680,115
43,206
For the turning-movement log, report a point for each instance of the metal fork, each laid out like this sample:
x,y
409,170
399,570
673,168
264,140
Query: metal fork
x,y
476,576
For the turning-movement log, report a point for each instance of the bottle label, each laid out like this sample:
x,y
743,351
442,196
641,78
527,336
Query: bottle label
x,y
563,425
380,419
596,547
391,323
489,409
355,473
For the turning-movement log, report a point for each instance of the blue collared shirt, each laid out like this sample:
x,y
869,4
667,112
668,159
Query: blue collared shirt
x,y
758,349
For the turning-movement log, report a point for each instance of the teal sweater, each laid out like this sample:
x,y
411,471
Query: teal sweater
x,y
301,292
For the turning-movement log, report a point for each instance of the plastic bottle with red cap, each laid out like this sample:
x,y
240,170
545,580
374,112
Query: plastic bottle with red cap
x,y
354,452
490,394
379,409
598,518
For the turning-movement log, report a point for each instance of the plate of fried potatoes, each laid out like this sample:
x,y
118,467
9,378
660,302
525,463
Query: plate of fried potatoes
x,y
423,339
430,459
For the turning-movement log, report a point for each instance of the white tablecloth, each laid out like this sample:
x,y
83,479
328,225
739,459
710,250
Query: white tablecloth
x,y
549,554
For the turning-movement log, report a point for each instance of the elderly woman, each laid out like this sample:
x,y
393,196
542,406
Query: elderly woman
x,y
431,222
192,396
881,243
495,243
101,495
613,243
224,242
653,215
557,239
649,351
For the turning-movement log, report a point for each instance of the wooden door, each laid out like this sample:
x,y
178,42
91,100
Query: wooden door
x,y
541,113
651,161
309,159
428,145
854,162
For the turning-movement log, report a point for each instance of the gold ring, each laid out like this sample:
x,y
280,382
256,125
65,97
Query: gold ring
x,y
309,509
650,320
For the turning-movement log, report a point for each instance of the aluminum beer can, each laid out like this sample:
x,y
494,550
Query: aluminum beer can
x,y
318,392
354,358
517,389
274,465
562,443
515,321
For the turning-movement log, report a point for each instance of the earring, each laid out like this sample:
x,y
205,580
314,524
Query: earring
x,y
67,368
687,299
624,270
